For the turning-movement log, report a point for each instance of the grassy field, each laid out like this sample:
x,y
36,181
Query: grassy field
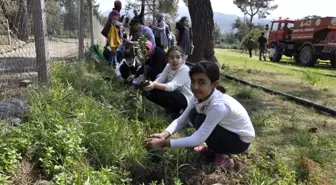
x,y
305,83
85,130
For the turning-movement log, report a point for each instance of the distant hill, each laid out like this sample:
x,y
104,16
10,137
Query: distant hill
x,y
223,20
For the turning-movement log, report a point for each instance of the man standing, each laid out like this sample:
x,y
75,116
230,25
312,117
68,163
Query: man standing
x,y
140,16
250,44
141,30
262,46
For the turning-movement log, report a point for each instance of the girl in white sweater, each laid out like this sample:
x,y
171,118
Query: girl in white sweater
x,y
171,90
221,121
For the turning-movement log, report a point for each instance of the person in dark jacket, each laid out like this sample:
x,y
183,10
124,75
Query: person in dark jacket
x,y
184,35
250,44
155,64
140,16
262,46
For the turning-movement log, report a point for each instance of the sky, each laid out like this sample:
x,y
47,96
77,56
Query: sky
x,y
293,9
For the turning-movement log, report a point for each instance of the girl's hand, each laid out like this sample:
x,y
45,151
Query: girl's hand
x,y
157,136
162,135
156,143
150,86
130,78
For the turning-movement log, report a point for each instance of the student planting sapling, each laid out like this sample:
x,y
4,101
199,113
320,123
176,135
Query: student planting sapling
x,y
171,90
220,120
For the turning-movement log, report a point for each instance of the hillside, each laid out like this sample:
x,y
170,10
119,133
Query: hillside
x,y
222,19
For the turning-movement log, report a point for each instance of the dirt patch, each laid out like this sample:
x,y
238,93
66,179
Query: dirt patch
x,y
201,172
27,174
313,172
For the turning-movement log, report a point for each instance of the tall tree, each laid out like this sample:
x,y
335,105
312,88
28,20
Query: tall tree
x,y
203,30
252,8
71,16
241,28
217,33
168,7
230,38
23,22
54,17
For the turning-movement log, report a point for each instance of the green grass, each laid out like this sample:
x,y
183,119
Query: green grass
x,y
306,83
282,129
87,130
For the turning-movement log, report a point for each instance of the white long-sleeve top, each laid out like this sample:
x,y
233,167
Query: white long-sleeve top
x,y
220,109
176,80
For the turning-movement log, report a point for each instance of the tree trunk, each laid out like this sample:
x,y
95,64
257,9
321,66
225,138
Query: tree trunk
x,y
203,30
81,31
251,23
91,22
24,21
154,11
41,43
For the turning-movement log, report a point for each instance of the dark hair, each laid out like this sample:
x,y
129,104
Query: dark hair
x,y
134,21
175,48
117,5
169,26
125,19
210,69
128,53
183,19
179,25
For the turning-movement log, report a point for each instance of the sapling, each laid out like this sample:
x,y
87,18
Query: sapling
x,y
143,55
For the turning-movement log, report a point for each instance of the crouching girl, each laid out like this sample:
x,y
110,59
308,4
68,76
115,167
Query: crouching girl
x,y
171,90
220,120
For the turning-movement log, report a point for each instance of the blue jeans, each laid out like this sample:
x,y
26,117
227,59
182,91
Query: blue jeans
x,y
112,59
120,53
117,56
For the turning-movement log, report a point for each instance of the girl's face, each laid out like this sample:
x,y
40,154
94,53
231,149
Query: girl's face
x,y
115,18
202,86
175,59
186,22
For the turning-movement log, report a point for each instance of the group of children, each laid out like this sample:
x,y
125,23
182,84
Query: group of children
x,y
192,95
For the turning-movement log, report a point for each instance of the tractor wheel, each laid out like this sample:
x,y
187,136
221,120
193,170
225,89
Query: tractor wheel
x,y
333,63
275,55
307,57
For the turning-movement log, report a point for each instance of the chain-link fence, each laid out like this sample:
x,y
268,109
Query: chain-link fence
x,y
34,33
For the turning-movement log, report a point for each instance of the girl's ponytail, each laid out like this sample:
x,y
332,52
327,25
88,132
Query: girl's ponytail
x,y
221,89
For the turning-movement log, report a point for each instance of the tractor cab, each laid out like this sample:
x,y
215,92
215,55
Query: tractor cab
x,y
281,30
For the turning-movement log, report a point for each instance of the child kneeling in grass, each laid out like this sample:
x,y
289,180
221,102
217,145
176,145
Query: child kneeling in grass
x,y
221,121
171,90
128,66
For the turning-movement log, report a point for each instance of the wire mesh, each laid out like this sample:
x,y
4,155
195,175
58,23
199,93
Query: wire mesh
x,y
18,67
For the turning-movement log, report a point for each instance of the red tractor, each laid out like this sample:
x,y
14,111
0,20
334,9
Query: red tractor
x,y
305,40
